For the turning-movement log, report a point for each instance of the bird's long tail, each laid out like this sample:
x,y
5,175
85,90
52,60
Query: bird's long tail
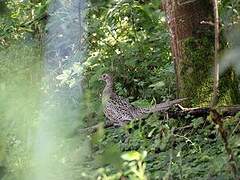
x,y
166,105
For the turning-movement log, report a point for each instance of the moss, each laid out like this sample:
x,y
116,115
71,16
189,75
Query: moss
x,y
197,73
196,69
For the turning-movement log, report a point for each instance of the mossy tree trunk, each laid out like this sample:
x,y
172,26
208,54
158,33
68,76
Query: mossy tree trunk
x,y
191,36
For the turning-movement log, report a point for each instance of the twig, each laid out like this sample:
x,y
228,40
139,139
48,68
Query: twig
x,y
235,127
183,128
207,22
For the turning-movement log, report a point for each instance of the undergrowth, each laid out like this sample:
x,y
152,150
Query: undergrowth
x,y
188,148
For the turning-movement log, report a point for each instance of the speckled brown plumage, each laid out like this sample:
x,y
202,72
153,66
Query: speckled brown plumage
x,y
118,110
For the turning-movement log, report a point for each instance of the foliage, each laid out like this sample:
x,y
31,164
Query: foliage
x,y
19,92
129,40
123,39
20,68
229,11
21,19
129,34
175,151
133,167
198,85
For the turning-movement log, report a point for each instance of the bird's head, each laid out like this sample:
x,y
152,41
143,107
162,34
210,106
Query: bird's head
x,y
107,78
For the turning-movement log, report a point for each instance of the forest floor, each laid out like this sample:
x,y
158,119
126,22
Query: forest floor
x,y
186,148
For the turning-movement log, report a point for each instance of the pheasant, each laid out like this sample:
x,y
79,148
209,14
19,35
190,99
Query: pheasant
x,y
118,110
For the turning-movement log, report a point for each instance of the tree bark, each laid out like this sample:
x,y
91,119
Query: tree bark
x,y
216,50
186,18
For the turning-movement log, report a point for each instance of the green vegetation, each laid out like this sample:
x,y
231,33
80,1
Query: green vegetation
x,y
130,40
21,20
198,86
177,149
19,100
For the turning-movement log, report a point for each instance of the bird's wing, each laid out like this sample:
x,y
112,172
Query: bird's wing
x,y
117,113
128,108
121,100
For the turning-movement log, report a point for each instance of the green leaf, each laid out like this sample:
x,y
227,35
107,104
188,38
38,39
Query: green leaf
x,y
131,156
144,154
157,85
151,132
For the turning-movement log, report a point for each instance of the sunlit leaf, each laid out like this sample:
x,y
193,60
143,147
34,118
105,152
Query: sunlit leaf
x,y
130,156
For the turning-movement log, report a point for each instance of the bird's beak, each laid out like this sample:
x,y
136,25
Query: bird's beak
x,y
100,79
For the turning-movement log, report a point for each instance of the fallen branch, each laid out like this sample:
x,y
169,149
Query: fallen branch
x,y
204,112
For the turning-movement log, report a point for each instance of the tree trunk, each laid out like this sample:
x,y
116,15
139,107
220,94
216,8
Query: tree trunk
x,y
188,19
216,49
